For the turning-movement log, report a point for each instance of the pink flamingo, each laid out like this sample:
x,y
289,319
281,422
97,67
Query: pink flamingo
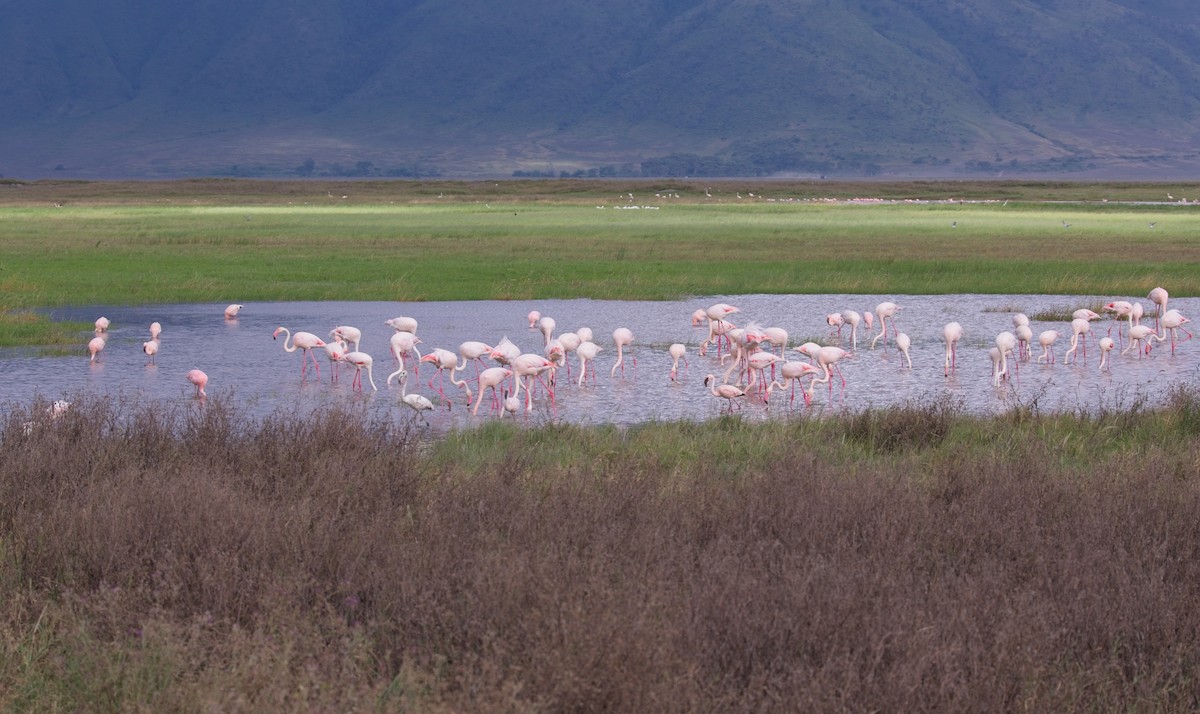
x,y
490,378
728,392
1006,342
853,319
401,344
1106,346
1080,327
547,325
757,364
95,347
416,402
304,341
1024,337
232,311
155,330
1119,309
334,351
402,324
361,361
570,342
1046,340
777,337
902,344
533,316
1140,336
1174,320
585,334
349,335
587,352
792,373
150,348
999,368
678,352
200,379
445,361
1020,319
623,337
102,324
1084,313
827,359
472,351
505,351
883,311
952,333
836,322
1159,297
529,367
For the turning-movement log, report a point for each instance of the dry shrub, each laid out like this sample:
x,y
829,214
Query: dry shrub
x,y
331,563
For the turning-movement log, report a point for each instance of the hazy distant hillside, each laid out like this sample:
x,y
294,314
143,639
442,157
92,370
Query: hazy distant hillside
x,y
699,87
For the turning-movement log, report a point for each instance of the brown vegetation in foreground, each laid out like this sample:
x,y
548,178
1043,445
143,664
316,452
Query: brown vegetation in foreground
x,y
901,560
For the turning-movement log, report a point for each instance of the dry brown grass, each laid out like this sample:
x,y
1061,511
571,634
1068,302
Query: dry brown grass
x,y
194,560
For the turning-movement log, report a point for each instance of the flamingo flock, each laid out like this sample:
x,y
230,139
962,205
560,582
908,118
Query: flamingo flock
x,y
747,363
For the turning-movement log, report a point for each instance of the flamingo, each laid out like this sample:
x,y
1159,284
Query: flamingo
x,y
200,379
587,352
698,317
717,329
529,367
547,325
347,334
334,351
1119,309
402,343
232,311
155,330
777,337
852,318
1174,320
1046,340
585,334
720,311
999,369
883,311
793,372
1080,327
1140,336
902,344
623,337
102,324
402,324
570,342
1106,346
1020,319
505,351
445,361
361,361
678,352
490,378
416,402
952,332
1135,315
150,347
95,347
1159,297
757,364
304,341
533,316
1006,342
472,351
511,404
1084,313
728,392
1024,337
827,359
835,322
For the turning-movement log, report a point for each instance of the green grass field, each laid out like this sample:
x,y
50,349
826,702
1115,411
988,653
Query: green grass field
x,y
250,241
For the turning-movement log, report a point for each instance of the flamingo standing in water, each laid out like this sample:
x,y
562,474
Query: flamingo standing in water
x,y
232,311
835,320
623,337
472,351
569,341
952,332
1080,327
416,402
1046,340
883,311
852,319
827,359
1159,297
95,347
1024,337
728,392
401,344
505,351
445,361
533,317
529,367
334,351
200,379
585,334
1174,320
1106,346
1006,342
1140,337
402,324
902,344
547,325
512,405
776,337
490,378
999,368
155,330
150,347
792,373
361,361
678,352
349,335
1119,309
102,324
304,341
587,352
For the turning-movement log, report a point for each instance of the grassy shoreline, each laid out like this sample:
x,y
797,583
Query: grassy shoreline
x,y
908,559
76,243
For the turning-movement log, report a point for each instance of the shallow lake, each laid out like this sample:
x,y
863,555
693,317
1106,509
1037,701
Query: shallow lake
x,y
244,364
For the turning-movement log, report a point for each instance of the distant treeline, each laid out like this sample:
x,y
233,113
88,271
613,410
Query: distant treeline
x,y
310,169
757,162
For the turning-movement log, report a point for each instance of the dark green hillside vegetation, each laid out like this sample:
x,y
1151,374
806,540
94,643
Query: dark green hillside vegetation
x,y
907,559
410,87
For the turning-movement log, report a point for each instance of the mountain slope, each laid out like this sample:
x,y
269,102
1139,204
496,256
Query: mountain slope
x,y
134,87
